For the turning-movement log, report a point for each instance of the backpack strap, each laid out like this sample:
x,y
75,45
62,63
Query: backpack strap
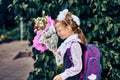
x,y
84,60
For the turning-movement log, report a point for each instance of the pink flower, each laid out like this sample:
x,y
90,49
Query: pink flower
x,y
35,27
39,46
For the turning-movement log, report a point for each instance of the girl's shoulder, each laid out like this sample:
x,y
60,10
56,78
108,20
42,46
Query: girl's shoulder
x,y
75,44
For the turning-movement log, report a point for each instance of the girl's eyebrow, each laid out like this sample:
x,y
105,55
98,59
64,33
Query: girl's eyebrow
x,y
59,30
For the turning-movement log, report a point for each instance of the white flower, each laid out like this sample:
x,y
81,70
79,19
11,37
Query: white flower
x,y
62,15
92,77
40,23
76,19
52,43
49,38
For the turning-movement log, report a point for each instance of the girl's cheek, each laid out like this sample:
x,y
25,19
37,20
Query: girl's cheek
x,y
59,35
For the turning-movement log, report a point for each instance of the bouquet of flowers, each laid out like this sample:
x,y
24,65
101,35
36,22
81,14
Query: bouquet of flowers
x,y
46,37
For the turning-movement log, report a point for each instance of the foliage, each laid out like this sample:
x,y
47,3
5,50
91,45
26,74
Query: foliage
x,y
5,16
100,21
7,36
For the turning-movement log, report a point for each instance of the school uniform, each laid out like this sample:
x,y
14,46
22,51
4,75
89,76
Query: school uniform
x,y
72,68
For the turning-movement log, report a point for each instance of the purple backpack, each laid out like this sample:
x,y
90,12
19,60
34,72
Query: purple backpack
x,y
91,62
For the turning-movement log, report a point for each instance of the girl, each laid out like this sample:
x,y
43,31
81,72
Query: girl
x,y
67,27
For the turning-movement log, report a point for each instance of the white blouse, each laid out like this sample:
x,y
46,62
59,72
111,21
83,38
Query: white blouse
x,y
76,54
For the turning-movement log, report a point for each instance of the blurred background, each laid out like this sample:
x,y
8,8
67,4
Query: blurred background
x,y
15,53
11,22
100,21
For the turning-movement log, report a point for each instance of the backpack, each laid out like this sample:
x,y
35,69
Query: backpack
x,y
91,69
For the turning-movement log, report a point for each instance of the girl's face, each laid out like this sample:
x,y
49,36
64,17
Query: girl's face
x,y
62,30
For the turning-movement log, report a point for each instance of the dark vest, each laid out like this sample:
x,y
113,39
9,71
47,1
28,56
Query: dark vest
x,y
67,64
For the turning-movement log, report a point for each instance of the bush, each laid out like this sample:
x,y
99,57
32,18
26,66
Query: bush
x,y
7,36
100,21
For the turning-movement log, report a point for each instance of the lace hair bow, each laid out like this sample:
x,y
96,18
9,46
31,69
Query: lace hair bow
x,y
62,14
76,19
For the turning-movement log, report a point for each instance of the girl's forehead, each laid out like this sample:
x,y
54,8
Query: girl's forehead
x,y
59,25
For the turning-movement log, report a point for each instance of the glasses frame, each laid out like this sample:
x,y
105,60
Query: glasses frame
x,y
58,31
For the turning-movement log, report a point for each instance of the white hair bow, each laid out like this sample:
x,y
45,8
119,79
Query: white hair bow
x,y
62,15
76,19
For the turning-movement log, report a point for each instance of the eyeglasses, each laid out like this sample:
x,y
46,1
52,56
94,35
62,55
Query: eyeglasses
x,y
58,31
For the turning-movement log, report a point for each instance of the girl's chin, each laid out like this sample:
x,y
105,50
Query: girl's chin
x,y
62,38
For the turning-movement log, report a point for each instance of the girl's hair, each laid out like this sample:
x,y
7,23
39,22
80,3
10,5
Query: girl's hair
x,y
69,21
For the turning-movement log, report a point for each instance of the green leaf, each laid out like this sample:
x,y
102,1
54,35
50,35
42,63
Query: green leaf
x,y
75,1
109,27
103,7
118,39
116,28
101,21
89,36
70,2
96,27
43,56
88,23
94,10
14,2
24,6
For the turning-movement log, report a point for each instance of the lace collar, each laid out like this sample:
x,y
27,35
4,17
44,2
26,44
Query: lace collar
x,y
67,44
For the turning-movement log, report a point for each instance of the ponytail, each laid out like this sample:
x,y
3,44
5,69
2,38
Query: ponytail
x,y
81,35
